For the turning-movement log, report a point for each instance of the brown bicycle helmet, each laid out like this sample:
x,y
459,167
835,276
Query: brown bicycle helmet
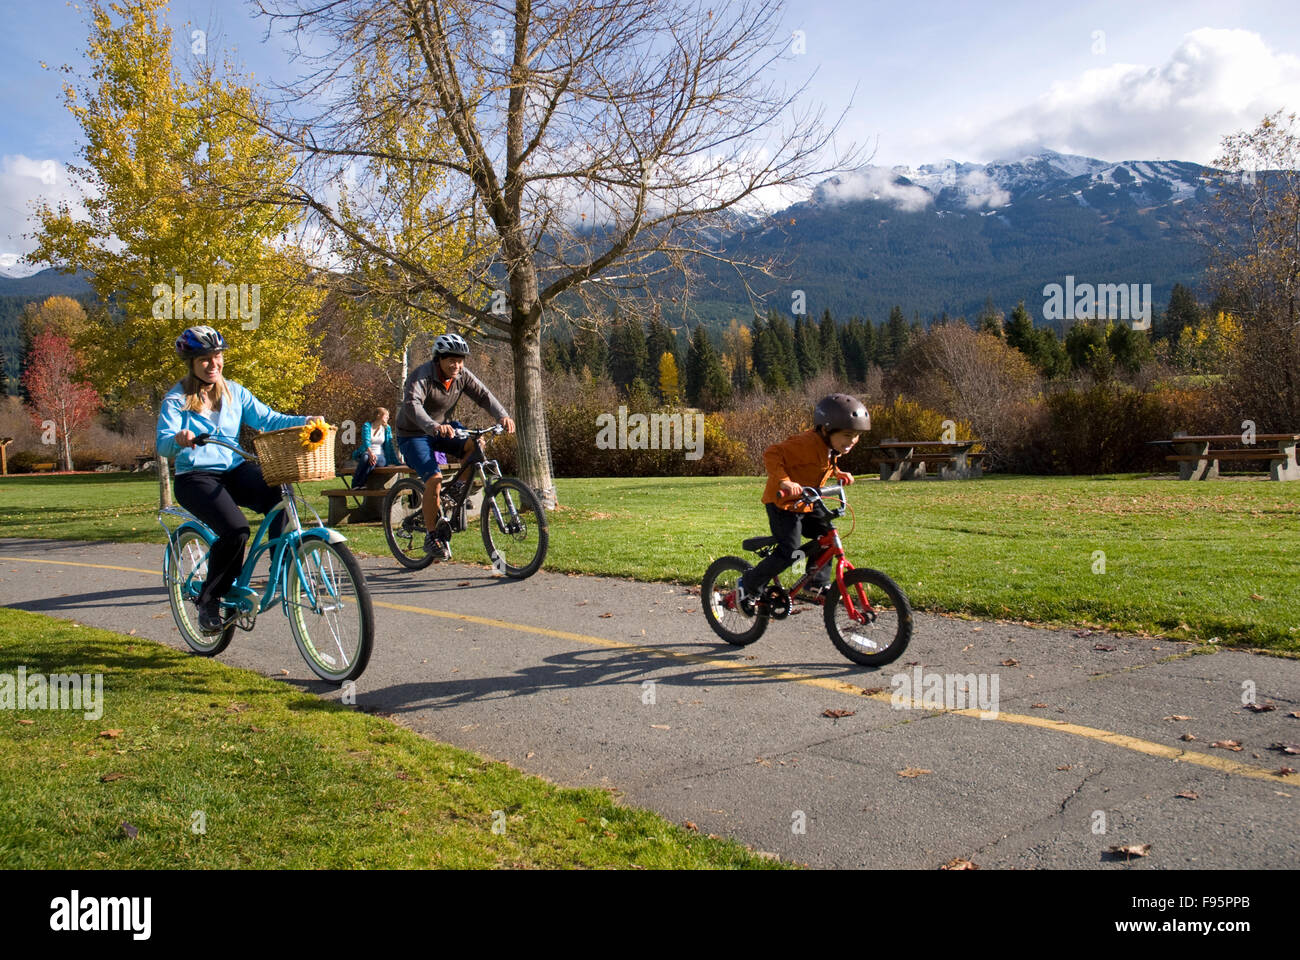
x,y
839,411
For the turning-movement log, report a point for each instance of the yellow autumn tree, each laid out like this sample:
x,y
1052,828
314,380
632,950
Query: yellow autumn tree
x,y
669,388
165,244
1211,342
402,208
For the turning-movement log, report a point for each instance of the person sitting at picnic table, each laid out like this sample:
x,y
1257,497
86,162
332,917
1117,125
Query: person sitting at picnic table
x,y
377,448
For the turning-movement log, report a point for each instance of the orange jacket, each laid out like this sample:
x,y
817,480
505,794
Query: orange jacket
x,y
804,458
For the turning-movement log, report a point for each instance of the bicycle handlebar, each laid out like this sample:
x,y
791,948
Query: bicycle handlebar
x,y
205,438
467,433
817,494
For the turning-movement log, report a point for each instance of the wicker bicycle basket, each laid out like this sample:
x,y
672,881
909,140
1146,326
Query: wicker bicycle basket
x,y
285,460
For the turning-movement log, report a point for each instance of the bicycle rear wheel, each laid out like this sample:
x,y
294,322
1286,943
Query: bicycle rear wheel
x,y
330,612
185,567
404,523
883,635
514,528
725,616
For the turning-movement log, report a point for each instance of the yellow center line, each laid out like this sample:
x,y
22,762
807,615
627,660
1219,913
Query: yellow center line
x,y
1221,764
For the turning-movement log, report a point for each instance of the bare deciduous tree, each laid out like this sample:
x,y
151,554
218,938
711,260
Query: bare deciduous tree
x,y
593,148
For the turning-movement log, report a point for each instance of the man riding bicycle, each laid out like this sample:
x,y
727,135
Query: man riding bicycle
x,y
423,429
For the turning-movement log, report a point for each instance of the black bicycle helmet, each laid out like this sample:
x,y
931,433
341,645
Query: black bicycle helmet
x,y
198,342
839,411
450,344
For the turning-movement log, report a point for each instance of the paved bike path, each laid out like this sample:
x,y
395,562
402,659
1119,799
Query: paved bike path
x,y
553,675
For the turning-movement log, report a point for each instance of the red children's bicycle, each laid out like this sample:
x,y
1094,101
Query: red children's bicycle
x,y
866,613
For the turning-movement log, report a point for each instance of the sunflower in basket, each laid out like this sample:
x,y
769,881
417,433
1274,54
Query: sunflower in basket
x,y
313,434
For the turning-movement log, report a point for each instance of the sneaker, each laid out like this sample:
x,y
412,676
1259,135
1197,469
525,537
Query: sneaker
x,y
813,593
210,617
436,548
744,600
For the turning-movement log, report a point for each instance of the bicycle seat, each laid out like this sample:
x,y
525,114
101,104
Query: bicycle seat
x,y
758,543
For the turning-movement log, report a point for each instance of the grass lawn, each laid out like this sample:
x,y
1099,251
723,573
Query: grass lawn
x,y
1189,560
275,778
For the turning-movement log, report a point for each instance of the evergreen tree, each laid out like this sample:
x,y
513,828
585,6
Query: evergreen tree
x,y
832,355
589,351
4,374
896,336
1083,342
990,319
628,354
779,329
807,348
706,381
1019,330
658,340
1182,312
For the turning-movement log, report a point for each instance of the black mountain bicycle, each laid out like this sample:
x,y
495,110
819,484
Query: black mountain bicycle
x,y
512,521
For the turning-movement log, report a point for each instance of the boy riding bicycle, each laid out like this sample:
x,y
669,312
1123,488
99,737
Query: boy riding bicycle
x,y
807,459
423,429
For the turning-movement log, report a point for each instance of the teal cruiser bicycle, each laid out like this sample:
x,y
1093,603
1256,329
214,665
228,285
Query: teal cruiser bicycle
x,y
313,576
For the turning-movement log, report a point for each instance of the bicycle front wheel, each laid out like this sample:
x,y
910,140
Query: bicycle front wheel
x,y
185,567
330,612
718,593
404,523
514,528
883,634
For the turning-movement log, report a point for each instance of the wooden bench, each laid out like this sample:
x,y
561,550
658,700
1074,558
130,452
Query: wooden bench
x,y
43,467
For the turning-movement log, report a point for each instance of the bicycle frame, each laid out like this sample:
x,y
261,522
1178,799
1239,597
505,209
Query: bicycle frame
x,y
277,581
833,547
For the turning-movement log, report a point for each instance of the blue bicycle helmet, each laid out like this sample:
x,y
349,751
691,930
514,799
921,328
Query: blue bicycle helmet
x,y
198,342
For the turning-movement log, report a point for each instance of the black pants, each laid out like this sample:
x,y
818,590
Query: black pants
x,y
790,528
215,498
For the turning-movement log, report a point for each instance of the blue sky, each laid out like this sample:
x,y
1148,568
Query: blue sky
x,y
934,80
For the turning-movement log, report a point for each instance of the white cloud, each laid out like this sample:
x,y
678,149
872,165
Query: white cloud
x,y
874,183
1214,83
24,181
980,190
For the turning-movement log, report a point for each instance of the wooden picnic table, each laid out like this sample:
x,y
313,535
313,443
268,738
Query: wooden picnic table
x,y
1197,461
368,507
907,459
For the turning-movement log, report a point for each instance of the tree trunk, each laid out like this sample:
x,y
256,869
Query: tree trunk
x,y
530,408
164,483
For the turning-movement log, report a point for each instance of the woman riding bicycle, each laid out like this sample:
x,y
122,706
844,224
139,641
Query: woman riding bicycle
x,y
212,482
430,395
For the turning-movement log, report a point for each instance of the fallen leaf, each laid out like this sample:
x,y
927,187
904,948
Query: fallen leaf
x,y
690,825
1283,771
529,755
257,729
1132,849
1188,736
1103,646
1260,707
129,830
1010,662
1227,744
110,734
1037,705
872,691
109,777
1188,795
605,616
580,820
26,723
1286,747
1179,716
463,583
1256,596
1294,714
836,714
957,863
1068,766
967,647
911,772
660,726
284,673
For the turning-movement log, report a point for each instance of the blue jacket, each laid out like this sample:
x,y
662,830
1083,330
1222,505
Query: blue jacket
x,y
244,409
367,436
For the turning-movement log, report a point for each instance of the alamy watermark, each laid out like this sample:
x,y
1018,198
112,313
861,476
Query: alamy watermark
x,y
1130,302
58,691
653,431
945,691
216,301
